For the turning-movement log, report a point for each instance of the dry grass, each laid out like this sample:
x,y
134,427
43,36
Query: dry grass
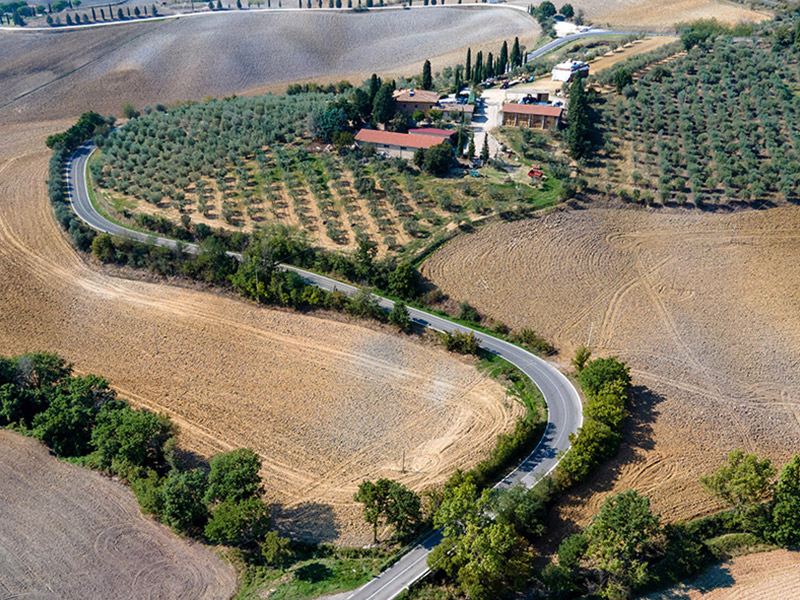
x,y
658,15
704,307
324,403
765,576
221,54
661,15
70,533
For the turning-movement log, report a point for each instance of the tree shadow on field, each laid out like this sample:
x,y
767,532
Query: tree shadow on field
x,y
313,573
713,578
636,440
309,522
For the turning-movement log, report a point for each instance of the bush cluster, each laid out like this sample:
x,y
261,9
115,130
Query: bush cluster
x,y
81,418
606,383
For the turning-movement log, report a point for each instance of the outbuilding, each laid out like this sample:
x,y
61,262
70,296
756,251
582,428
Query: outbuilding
x,y
566,71
535,116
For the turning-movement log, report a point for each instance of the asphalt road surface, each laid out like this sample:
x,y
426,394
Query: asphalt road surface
x,y
564,409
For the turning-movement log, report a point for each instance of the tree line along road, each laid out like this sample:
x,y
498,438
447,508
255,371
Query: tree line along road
x,y
564,409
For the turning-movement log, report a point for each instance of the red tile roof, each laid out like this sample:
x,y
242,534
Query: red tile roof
x,y
446,133
540,110
390,138
416,96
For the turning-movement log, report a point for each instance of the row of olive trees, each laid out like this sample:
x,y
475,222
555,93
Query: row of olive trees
x,y
719,125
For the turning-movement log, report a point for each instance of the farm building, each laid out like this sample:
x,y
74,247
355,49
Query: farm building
x,y
455,111
410,101
565,71
535,116
402,145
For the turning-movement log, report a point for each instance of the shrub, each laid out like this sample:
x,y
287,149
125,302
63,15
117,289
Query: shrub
x,y
531,339
234,476
463,343
238,523
183,492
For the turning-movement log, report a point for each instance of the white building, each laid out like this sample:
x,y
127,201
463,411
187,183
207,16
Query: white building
x,y
565,71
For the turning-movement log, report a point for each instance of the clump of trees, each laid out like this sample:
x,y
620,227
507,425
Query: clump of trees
x,y
387,501
625,551
607,385
82,419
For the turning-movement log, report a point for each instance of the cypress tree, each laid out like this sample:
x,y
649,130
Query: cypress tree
x,y
516,54
383,108
94,17
374,85
69,19
502,62
468,66
485,148
102,14
578,132
490,65
477,70
471,147
427,78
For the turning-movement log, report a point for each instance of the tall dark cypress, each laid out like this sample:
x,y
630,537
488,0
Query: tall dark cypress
x,y
468,66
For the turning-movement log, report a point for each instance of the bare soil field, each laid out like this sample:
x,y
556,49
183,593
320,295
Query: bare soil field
x,y
221,54
655,15
704,307
764,576
70,533
324,403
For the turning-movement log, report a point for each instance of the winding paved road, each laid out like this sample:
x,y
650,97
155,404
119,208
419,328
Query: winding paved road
x,y
565,414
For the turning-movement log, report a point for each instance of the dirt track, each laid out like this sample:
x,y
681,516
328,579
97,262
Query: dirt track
x,y
704,307
70,534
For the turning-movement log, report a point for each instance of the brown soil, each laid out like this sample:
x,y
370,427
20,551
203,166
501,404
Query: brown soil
x,y
704,307
655,15
70,533
221,54
658,15
765,576
326,404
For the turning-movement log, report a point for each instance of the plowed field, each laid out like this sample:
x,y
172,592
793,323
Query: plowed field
x,y
326,404
704,307
765,576
231,52
68,533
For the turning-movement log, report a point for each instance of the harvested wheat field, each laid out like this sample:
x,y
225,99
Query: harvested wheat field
x,y
766,576
704,307
70,533
325,403
655,15
224,53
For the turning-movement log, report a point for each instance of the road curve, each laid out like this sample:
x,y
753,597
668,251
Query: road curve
x,y
564,408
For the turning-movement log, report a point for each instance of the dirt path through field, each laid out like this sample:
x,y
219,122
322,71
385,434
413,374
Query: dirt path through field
x,y
70,533
704,307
